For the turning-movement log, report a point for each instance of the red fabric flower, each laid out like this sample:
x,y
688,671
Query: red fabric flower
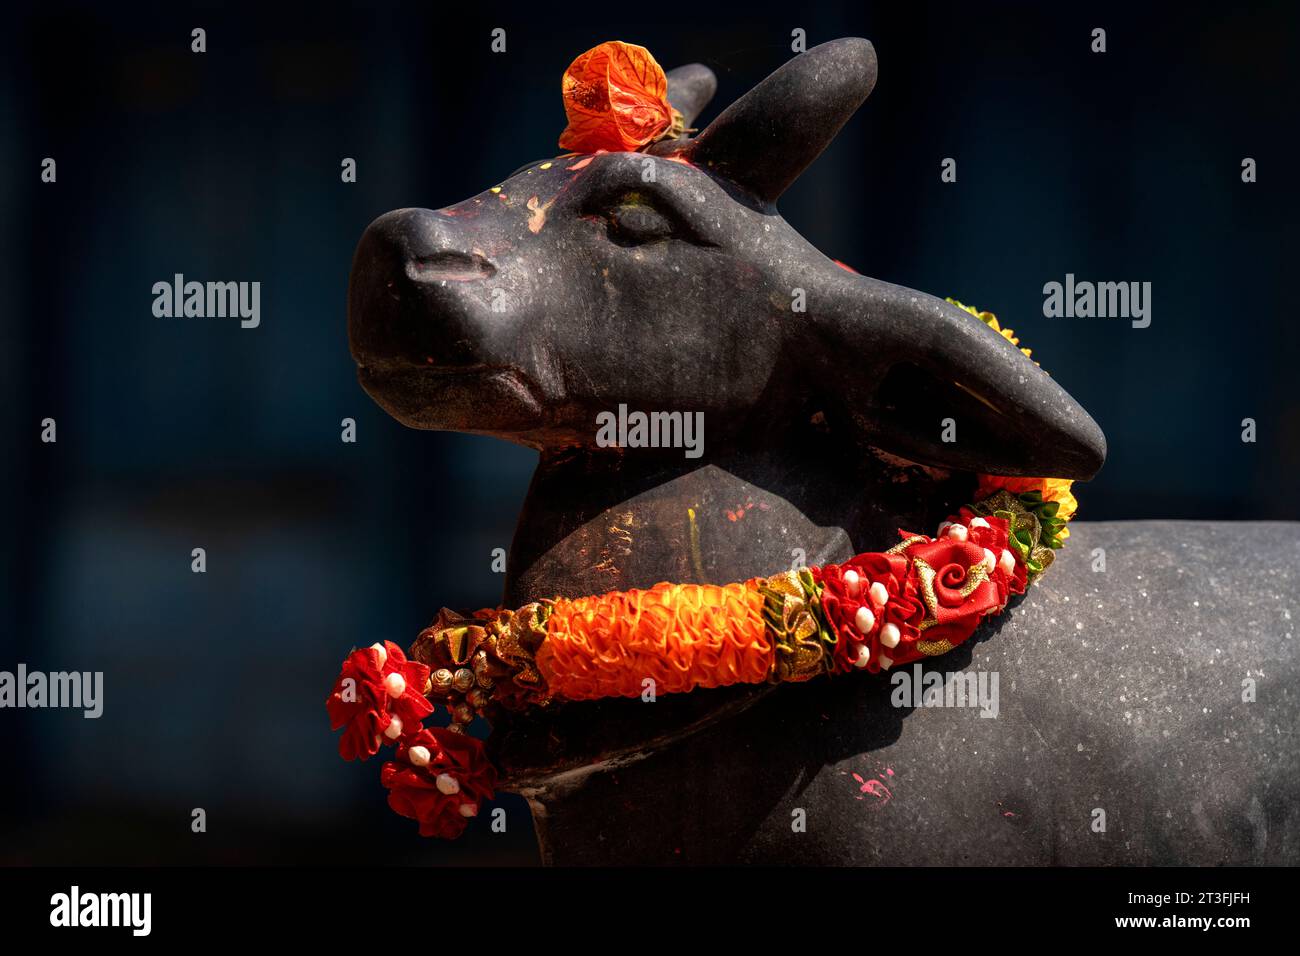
x,y
905,611
841,606
440,779
377,685
952,560
955,614
994,533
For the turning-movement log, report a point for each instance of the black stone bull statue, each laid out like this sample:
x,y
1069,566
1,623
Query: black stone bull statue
x,y
665,280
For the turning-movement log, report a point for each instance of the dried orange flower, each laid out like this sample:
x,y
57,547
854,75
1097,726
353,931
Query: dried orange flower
x,y
616,99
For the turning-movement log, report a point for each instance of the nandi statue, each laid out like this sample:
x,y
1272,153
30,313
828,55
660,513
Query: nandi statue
x,y
821,411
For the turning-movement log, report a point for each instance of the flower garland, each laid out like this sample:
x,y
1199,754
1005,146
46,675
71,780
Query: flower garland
x,y
921,598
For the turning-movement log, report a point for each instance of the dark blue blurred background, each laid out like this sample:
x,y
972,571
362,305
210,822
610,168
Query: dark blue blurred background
x,y
175,434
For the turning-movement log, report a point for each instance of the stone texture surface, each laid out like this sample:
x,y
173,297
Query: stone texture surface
x,y
1118,690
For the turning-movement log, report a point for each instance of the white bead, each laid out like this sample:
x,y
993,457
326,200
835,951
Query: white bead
x,y
394,728
396,685
468,810
885,662
990,561
879,594
943,526
419,756
978,523
865,620
382,654
890,635
1007,562
852,583
447,784
863,656
958,532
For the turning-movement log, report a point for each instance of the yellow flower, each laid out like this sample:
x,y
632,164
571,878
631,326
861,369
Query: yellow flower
x,y
991,320
1052,489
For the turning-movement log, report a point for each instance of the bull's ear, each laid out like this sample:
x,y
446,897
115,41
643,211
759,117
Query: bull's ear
x,y
764,140
690,88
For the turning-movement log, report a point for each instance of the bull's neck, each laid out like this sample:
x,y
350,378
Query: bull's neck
x,y
601,519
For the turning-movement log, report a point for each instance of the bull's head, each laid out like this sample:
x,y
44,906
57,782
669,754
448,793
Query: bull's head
x,y
665,279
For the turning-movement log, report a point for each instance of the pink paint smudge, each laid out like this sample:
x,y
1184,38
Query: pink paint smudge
x,y
875,788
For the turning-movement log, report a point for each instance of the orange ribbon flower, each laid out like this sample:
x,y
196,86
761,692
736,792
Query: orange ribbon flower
x,y
616,99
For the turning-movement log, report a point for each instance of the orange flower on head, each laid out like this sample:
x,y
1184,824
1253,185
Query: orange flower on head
x,y
616,99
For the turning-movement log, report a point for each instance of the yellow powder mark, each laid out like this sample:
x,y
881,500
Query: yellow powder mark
x,y
538,217
697,561
623,534
546,166
495,189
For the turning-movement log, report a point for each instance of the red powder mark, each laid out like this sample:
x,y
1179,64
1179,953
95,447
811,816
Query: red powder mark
x,y
846,268
1008,813
740,511
428,360
875,788
889,771
678,158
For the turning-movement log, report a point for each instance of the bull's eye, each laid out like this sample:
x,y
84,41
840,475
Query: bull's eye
x,y
635,223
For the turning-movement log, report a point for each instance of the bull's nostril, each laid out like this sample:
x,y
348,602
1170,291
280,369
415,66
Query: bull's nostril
x,y
449,267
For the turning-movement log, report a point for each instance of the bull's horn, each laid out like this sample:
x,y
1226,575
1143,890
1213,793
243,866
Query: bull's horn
x,y
764,140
